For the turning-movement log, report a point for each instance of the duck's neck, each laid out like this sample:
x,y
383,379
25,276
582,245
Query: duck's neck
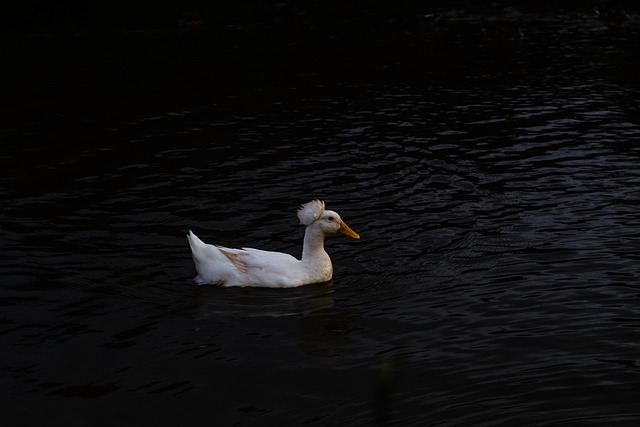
x,y
313,247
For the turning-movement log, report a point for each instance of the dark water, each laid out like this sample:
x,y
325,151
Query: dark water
x,y
495,183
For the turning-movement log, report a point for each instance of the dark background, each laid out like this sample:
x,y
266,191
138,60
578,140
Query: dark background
x,y
31,17
63,55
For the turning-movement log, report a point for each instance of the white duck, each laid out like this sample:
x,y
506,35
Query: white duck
x,y
255,267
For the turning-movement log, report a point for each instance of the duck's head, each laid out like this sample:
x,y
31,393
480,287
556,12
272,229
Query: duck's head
x,y
329,222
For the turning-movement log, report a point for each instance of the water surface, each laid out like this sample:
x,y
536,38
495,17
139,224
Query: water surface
x,y
494,181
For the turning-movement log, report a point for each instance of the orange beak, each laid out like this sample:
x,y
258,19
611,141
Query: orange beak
x,y
344,229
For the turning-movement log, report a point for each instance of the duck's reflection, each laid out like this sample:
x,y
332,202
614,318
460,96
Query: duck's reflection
x,y
214,301
321,326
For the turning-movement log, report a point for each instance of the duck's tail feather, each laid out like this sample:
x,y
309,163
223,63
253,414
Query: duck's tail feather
x,y
212,266
196,247
194,241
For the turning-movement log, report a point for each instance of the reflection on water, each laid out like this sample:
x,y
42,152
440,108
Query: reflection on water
x,y
300,302
495,186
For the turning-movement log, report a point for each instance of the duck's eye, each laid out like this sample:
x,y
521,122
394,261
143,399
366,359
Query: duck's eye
x,y
330,218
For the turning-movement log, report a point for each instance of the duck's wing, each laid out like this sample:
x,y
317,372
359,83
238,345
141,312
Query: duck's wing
x,y
236,257
244,267
270,269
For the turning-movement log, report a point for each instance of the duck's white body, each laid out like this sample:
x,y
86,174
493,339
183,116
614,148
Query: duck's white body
x,y
254,267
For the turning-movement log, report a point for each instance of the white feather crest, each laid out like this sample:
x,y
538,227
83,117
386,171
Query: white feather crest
x,y
310,212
